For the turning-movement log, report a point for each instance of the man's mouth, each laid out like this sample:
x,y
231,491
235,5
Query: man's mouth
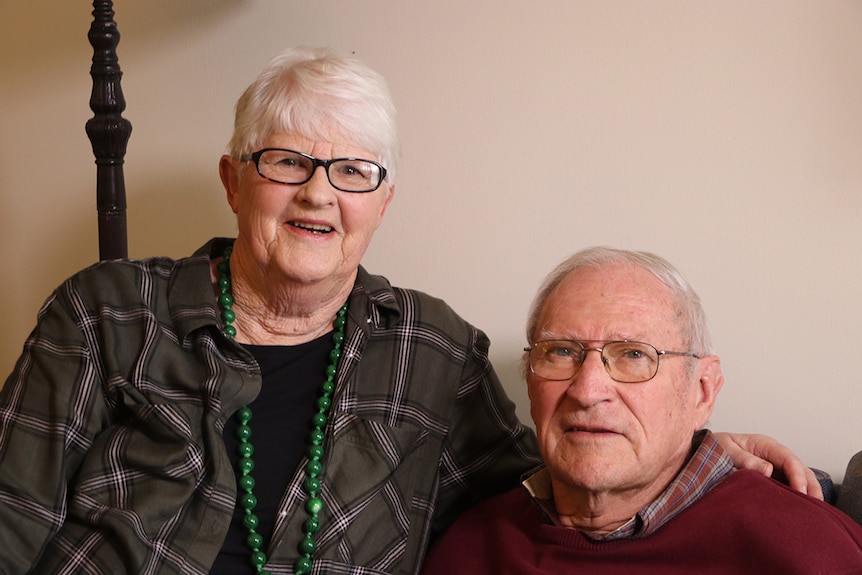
x,y
591,430
314,228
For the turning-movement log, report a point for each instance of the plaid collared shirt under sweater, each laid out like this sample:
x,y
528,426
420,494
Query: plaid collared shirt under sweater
x,y
707,466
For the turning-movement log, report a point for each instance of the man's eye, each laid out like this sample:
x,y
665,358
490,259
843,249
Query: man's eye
x,y
632,354
561,351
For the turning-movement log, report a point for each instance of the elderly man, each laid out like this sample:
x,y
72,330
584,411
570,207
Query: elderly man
x,y
621,378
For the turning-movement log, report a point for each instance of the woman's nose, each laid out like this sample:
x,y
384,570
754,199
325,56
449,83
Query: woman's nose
x,y
318,190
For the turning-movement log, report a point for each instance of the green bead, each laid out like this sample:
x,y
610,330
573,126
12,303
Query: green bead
x,y
324,402
330,371
246,465
251,521
311,525
258,558
312,485
307,545
302,566
316,437
315,452
319,420
254,540
334,355
245,482
230,331
245,450
223,267
224,283
314,468
314,505
244,414
243,432
228,315
328,386
225,299
248,501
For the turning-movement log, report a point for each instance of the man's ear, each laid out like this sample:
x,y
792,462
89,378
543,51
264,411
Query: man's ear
x,y
709,383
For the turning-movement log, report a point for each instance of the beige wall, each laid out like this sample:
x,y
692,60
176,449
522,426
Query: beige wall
x,y
726,136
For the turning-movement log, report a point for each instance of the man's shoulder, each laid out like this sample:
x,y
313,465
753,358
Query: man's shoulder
x,y
749,481
509,505
750,493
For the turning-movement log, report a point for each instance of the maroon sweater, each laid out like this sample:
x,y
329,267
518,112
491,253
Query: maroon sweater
x,y
746,524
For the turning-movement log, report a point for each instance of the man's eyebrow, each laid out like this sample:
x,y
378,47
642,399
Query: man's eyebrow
x,y
614,336
545,334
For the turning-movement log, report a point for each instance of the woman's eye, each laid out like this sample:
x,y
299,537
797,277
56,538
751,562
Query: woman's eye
x,y
354,169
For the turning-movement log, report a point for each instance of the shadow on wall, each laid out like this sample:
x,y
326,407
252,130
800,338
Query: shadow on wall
x,y
176,214
171,216
36,37
40,41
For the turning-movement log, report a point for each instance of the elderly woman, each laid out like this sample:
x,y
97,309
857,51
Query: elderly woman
x,y
265,405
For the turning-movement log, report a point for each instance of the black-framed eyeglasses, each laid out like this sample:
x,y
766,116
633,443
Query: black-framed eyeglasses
x,y
625,361
292,167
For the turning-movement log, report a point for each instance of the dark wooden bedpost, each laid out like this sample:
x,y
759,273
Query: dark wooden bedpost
x,y
108,132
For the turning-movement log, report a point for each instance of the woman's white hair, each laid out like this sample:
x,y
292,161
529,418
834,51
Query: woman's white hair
x,y
689,310
316,94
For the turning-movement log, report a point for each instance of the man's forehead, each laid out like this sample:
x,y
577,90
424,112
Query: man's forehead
x,y
620,301
618,280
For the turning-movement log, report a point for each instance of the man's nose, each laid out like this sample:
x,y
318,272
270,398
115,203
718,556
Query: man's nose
x,y
591,382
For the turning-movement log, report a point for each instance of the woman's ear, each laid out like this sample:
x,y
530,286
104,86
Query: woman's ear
x,y
228,171
390,192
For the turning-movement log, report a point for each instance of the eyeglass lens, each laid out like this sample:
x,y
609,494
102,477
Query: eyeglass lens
x,y
289,167
625,361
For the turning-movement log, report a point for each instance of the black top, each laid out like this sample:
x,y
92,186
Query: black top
x,y
280,424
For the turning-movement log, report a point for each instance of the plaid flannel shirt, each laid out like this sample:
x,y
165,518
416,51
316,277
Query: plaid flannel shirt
x,y
111,456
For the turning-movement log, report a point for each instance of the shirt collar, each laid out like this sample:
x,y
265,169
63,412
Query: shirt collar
x,y
708,465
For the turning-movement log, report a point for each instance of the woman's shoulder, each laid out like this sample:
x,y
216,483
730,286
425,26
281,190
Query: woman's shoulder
x,y
118,271
403,304
110,279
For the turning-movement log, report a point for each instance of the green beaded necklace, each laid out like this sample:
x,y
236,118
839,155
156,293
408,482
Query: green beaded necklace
x,y
245,466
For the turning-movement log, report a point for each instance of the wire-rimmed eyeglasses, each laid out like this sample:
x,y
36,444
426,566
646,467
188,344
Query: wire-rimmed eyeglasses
x,y
625,361
291,167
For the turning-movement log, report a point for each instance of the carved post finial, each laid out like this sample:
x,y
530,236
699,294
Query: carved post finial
x,y
108,132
